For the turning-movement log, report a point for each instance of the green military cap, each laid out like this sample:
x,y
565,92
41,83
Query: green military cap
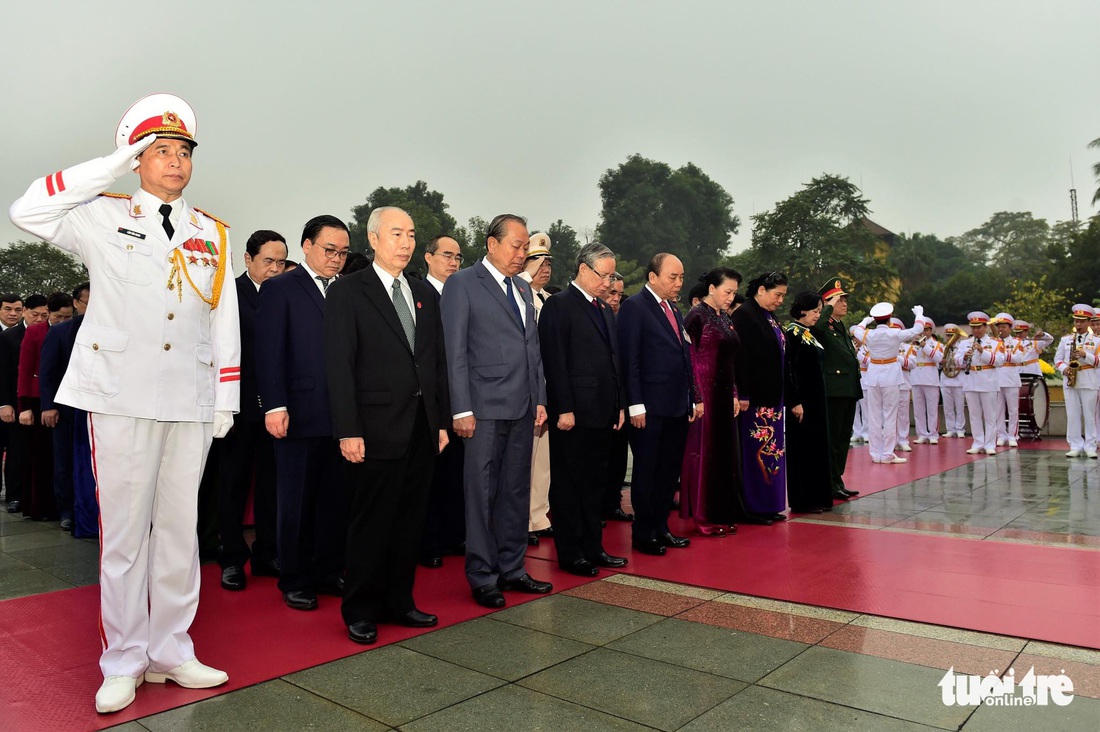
x,y
833,287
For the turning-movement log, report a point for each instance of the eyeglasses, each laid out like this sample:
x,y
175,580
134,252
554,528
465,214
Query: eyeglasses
x,y
334,253
448,256
605,277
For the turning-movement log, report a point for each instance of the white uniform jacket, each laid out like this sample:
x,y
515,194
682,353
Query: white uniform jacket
x,y
151,346
924,363
883,344
1032,348
988,356
1009,372
1087,376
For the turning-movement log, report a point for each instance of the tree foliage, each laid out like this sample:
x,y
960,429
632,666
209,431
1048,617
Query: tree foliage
x,y
564,246
648,208
1039,304
1014,244
36,267
818,233
426,207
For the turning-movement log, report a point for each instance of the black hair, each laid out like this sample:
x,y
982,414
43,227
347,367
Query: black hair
x,y
58,300
81,289
499,225
34,301
355,262
654,266
804,302
698,291
768,281
315,225
738,299
718,275
552,289
10,297
433,243
261,237
290,264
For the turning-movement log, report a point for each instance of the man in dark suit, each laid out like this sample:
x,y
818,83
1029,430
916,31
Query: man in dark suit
x,y
445,525
293,389
620,447
585,407
661,393
246,458
387,375
498,397
11,342
842,389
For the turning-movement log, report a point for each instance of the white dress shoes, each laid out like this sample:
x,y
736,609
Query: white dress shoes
x,y
933,440
1091,454
974,451
920,441
190,675
116,693
990,451
1013,443
1001,442
1073,453
904,447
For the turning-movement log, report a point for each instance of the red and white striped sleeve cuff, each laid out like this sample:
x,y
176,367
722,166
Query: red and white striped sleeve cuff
x,y
230,373
55,183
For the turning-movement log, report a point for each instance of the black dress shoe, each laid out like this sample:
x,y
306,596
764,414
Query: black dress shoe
x,y
265,568
547,533
13,506
841,495
334,587
527,584
778,517
67,524
649,546
363,631
532,539
676,542
580,567
603,559
488,596
431,562
850,493
620,515
300,600
414,619
233,578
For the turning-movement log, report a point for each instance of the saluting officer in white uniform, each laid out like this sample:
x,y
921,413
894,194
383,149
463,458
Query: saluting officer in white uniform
x,y
1008,377
1033,345
979,356
924,376
951,386
884,379
157,366
1078,352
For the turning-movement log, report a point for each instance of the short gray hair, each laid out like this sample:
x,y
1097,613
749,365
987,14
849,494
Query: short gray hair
x,y
588,255
376,216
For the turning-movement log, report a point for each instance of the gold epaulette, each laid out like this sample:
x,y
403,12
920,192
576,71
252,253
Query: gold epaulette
x,y
117,195
211,216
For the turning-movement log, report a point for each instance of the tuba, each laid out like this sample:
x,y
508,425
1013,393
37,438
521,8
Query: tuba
x,y
950,369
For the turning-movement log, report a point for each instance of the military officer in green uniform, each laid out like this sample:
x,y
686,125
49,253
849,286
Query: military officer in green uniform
x,y
842,389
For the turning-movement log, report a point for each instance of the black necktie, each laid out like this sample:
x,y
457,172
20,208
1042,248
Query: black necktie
x,y
166,211
599,317
512,300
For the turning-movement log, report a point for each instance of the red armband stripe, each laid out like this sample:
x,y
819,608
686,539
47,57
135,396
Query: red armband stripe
x,y
231,369
231,377
49,184
60,181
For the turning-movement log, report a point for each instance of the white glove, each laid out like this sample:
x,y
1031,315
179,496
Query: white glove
x,y
918,310
222,422
123,160
865,322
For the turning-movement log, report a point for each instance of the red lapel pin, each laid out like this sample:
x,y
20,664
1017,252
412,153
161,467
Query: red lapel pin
x,y
418,304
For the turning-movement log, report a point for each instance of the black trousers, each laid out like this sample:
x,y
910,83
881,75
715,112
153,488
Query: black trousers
x,y
842,414
63,436
445,525
616,472
658,457
387,502
312,512
579,464
246,465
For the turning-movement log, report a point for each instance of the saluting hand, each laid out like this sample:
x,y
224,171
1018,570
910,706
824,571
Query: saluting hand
x,y
124,159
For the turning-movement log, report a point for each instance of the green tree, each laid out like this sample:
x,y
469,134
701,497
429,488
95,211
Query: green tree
x,y
817,233
648,207
564,245
426,207
1040,305
1013,244
633,274
28,267
1079,268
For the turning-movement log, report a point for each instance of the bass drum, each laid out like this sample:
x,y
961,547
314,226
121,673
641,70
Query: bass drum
x,y
1034,406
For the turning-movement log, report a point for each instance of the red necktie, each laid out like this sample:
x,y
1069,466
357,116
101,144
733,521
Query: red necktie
x,y
671,318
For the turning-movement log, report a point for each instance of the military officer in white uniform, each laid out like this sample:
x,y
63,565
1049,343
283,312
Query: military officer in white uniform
x,y
884,379
979,356
1077,352
905,388
860,423
924,375
1008,377
951,384
1034,344
157,366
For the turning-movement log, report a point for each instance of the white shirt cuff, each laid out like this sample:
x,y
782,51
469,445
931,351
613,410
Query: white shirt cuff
x,y
276,409
460,415
636,410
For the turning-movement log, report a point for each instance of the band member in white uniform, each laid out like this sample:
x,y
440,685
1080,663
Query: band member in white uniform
x,y
906,357
1008,377
1077,359
924,375
860,424
979,356
951,384
1034,344
884,379
157,367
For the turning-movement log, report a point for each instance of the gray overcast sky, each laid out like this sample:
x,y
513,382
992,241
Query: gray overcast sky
x,y
944,111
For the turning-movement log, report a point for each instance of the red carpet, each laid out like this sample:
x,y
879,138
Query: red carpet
x,y
867,477
49,647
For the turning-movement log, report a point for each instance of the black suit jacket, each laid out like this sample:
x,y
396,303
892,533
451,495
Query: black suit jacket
x,y
10,342
656,362
290,352
376,381
248,300
762,372
580,359
57,349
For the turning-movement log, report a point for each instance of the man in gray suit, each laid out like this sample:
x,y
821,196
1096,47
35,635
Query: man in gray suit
x,y
498,398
